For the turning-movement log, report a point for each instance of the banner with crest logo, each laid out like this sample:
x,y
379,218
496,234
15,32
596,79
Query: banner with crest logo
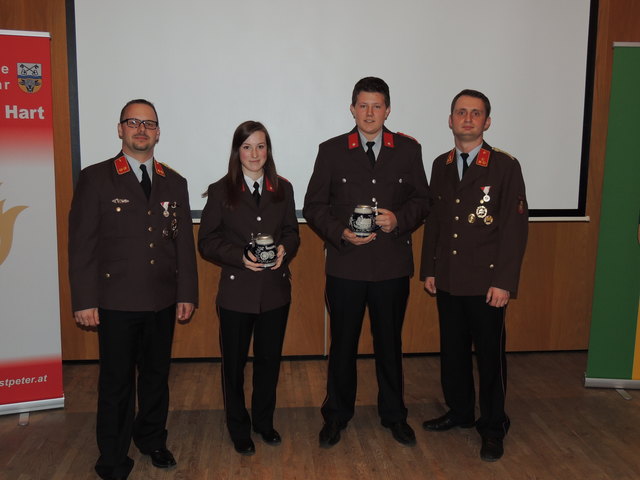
x,y
30,351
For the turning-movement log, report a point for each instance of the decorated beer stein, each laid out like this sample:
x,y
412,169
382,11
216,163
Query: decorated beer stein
x,y
264,249
363,220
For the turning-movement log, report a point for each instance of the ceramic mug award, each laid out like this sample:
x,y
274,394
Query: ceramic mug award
x,y
264,249
363,220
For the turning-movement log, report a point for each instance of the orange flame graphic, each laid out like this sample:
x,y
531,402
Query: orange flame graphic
x,y
7,222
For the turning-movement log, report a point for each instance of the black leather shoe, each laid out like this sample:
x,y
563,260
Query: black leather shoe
x,y
272,437
492,449
162,458
330,434
401,431
244,446
445,422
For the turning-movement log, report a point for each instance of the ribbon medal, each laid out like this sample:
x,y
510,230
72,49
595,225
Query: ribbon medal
x,y
485,190
165,206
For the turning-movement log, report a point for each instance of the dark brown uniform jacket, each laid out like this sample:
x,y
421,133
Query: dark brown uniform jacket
x,y
119,258
343,178
225,232
466,253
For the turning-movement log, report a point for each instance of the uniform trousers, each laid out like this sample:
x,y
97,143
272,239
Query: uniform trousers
x,y
467,321
130,340
268,329
387,302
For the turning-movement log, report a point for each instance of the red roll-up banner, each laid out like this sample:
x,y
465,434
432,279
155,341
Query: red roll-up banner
x,y
30,352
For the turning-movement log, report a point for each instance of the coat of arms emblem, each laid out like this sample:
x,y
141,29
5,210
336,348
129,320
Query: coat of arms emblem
x,y
29,77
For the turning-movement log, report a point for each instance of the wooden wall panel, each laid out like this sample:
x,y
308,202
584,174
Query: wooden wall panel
x,y
552,311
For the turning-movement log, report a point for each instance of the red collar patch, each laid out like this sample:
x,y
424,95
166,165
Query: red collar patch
x,y
121,164
354,141
483,158
159,168
450,157
268,185
387,139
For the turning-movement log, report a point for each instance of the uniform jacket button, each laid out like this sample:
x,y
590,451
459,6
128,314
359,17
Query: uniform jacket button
x,y
232,277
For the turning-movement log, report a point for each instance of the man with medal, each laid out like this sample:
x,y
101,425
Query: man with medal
x,y
376,175
132,269
474,242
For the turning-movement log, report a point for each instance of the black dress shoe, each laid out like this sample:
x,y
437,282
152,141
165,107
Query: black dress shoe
x,y
330,434
244,446
492,449
272,437
445,422
401,431
162,458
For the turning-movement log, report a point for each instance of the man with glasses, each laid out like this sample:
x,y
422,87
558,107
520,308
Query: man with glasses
x,y
132,268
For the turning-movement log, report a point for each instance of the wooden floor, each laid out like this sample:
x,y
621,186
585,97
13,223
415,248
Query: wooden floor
x,y
560,430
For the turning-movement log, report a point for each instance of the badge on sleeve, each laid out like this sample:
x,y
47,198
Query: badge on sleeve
x,y
521,205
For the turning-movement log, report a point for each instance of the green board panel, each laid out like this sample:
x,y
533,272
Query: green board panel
x,y
617,283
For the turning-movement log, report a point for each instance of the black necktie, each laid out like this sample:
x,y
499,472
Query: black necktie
x,y
465,167
370,154
146,181
256,192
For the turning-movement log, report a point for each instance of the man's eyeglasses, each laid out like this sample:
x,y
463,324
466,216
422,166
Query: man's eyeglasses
x,y
135,123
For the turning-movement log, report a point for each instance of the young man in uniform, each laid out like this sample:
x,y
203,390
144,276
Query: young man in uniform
x,y
367,166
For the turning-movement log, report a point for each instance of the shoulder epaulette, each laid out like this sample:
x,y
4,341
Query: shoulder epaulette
x,y
408,136
506,153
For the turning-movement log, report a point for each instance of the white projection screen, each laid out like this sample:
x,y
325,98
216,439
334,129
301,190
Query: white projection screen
x,y
292,64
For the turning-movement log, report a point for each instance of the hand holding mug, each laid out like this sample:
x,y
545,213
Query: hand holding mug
x,y
386,220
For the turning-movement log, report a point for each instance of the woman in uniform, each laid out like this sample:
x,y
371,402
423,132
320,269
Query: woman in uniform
x,y
250,203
